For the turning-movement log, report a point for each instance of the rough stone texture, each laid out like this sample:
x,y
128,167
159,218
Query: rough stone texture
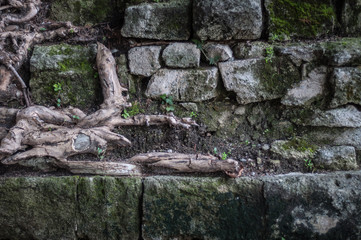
x,y
347,86
254,80
202,208
337,136
163,21
227,19
299,52
345,52
218,52
182,55
347,116
351,17
308,206
144,61
287,150
80,11
184,85
336,158
308,90
247,50
125,78
69,208
296,18
190,106
72,67
38,208
108,208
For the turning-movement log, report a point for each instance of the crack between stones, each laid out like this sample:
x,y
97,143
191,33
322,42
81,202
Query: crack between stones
x,y
140,211
77,209
265,211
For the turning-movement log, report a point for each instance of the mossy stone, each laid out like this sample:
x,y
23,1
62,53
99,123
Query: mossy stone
x,y
300,18
71,68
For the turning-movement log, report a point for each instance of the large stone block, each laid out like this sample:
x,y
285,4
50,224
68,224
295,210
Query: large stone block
x,y
254,80
347,86
189,85
202,208
182,55
300,18
162,21
144,61
227,19
69,208
336,158
72,68
313,206
351,17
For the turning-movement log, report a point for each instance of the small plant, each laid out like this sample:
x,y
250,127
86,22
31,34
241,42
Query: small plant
x,y
269,54
212,61
42,29
76,117
308,164
193,114
125,114
58,102
71,30
167,101
215,150
57,87
275,37
100,153
246,142
224,155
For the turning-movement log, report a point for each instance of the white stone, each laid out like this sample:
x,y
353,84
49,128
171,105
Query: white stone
x,y
144,61
181,55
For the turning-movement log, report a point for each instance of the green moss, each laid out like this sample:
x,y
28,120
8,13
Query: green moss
x,y
301,18
300,144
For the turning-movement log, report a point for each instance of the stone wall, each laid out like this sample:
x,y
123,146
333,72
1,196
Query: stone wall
x,y
292,206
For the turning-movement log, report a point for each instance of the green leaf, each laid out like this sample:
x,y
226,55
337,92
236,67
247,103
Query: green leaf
x,y
169,109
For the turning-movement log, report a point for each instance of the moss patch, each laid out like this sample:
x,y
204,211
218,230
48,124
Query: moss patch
x,y
301,18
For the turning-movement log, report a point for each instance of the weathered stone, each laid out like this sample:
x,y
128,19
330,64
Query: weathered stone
x,y
144,61
38,208
190,106
294,149
108,208
202,208
313,206
82,12
227,19
182,55
345,52
351,17
254,80
163,21
72,68
298,53
295,18
247,50
241,110
218,52
69,208
336,158
184,85
347,116
347,86
308,90
338,136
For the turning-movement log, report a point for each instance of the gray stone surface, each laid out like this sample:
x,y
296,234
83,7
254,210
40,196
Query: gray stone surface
x,y
351,17
190,106
347,116
68,65
181,55
144,61
298,53
313,206
194,85
338,136
254,80
336,158
286,150
69,208
227,19
162,21
347,86
218,52
345,52
245,50
202,208
308,90
125,78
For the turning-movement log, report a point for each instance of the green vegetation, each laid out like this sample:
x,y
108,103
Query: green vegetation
x,y
100,153
225,155
300,145
193,115
269,54
167,102
309,164
211,61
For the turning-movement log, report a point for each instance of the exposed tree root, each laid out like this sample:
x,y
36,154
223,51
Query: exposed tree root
x,y
48,132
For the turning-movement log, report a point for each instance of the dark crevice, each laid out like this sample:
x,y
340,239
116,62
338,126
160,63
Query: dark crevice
x,y
265,31
141,212
339,7
77,210
265,211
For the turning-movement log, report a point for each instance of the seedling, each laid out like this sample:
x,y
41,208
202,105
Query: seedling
x,y
309,164
224,155
215,150
58,102
269,54
125,114
76,117
100,153
57,87
193,114
167,101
